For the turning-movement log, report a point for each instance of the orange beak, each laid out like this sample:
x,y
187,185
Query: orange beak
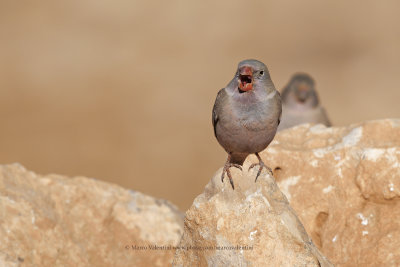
x,y
303,87
245,78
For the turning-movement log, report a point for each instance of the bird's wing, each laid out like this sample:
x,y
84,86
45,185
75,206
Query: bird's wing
x,y
325,118
279,106
217,108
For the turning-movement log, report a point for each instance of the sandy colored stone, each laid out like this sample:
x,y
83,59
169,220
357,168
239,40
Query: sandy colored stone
x,y
344,183
58,221
252,225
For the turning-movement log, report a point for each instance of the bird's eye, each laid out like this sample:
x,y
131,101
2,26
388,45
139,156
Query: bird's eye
x,y
262,73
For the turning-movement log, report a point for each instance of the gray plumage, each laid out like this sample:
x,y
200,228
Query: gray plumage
x,y
300,103
246,115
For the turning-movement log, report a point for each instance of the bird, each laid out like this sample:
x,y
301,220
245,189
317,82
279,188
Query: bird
x,y
300,103
246,115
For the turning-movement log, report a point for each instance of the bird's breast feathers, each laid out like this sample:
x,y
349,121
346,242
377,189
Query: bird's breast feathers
x,y
255,117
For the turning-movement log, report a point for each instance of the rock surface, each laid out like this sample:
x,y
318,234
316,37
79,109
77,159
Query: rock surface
x,y
344,183
252,225
58,221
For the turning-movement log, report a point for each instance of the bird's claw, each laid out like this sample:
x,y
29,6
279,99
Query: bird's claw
x,y
228,172
262,165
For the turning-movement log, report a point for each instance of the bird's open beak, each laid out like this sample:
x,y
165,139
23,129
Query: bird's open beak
x,y
245,78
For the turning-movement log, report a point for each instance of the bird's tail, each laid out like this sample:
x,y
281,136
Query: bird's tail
x,y
238,158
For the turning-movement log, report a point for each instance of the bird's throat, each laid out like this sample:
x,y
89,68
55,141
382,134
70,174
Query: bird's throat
x,y
241,91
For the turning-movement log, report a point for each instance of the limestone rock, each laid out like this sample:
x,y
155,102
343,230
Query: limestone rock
x,y
252,225
344,183
58,221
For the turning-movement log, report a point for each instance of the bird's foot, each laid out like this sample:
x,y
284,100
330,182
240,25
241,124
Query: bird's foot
x,y
262,165
228,172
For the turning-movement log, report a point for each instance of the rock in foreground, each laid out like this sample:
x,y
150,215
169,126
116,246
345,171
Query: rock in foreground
x,y
252,225
58,221
344,183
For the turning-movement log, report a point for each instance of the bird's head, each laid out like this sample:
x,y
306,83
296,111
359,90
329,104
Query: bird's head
x,y
300,90
250,74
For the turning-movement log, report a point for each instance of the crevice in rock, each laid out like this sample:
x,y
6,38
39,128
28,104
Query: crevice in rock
x,y
320,220
277,173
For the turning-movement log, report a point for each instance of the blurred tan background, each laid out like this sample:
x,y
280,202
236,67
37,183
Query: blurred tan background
x,y
123,90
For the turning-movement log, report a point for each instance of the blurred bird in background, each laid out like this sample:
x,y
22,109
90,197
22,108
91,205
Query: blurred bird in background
x,y
300,103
